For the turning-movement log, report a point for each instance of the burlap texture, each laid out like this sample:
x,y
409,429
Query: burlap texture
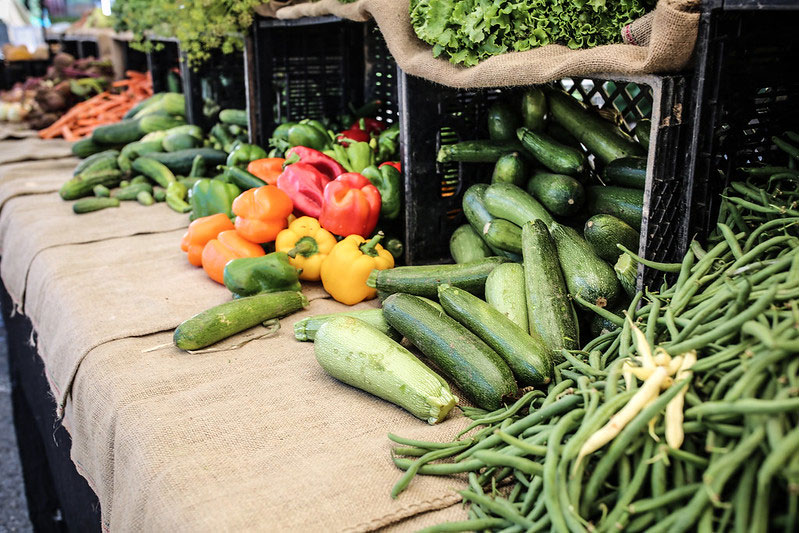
x,y
639,32
33,177
32,224
16,131
34,148
674,30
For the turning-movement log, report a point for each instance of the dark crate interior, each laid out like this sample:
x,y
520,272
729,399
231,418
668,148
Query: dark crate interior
x,y
219,83
133,59
163,58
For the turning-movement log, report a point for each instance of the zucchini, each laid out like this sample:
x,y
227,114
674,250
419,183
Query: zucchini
x,y
510,168
242,179
549,311
626,172
476,151
560,134
504,235
106,160
559,193
466,245
87,205
307,328
472,365
585,273
152,123
626,269
474,209
642,131
623,203
154,170
122,132
550,153
502,122
604,232
503,292
84,183
179,141
229,318
234,116
600,137
510,202
362,356
534,109
131,192
527,356
86,147
424,280
180,162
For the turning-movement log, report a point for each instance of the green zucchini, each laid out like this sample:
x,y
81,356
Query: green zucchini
x,y
549,311
585,273
358,354
559,193
475,211
234,116
179,141
105,160
424,280
623,203
122,132
504,291
534,109
626,172
87,205
527,356
502,122
86,147
510,168
600,137
132,191
555,156
512,203
604,232
466,245
476,151
84,183
642,131
180,162
626,269
504,235
472,365
154,170
562,135
229,318
306,329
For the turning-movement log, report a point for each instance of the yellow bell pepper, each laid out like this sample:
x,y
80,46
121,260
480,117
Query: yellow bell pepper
x,y
307,246
346,268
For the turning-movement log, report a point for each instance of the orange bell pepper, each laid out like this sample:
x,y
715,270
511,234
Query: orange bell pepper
x,y
268,169
228,245
261,213
200,232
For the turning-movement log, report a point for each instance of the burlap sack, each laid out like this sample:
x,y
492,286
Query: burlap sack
x,y
33,177
639,32
270,8
674,30
33,148
32,224
15,131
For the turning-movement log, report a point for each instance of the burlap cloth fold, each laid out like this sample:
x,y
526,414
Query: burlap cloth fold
x,y
670,45
33,177
33,148
16,131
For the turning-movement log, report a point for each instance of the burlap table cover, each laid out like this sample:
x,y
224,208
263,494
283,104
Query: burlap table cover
x,y
34,177
674,29
33,148
16,131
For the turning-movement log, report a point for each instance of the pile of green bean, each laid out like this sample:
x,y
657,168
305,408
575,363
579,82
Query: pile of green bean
x,y
737,304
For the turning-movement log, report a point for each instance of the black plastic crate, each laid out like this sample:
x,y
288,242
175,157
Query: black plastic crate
x,y
745,89
80,46
19,71
163,57
434,191
132,59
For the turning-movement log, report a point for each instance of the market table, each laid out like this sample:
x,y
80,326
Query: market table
x,y
254,437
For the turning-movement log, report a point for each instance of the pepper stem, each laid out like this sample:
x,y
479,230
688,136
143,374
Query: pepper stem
x,y
368,248
306,247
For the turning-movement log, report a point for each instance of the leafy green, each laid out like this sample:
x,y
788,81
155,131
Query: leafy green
x,y
469,31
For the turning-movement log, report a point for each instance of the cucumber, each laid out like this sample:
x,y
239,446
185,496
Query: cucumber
x,y
122,132
623,203
466,245
424,280
179,141
362,356
604,232
503,292
159,194
502,122
86,147
229,318
626,172
600,137
106,160
549,311
152,123
473,366
510,202
131,192
154,136
84,183
307,328
555,156
527,356
474,209
87,205
145,198
140,148
197,167
180,162
154,170
169,104
510,168
534,109
144,103
626,269
101,191
559,193
234,116
188,129
504,235
476,151
642,131
585,273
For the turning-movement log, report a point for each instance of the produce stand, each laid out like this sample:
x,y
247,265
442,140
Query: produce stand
x,y
163,58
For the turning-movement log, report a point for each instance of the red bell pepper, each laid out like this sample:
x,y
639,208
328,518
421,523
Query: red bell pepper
x,y
370,125
328,166
351,206
352,135
305,185
395,164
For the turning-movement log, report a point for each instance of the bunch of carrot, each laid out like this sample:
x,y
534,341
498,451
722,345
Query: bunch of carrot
x,y
105,108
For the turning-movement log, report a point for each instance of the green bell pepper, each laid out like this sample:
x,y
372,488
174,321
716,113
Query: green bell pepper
x,y
309,136
388,181
211,196
360,156
253,275
388,143
243,154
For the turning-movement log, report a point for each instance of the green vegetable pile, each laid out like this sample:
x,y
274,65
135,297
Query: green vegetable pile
x,y
470,31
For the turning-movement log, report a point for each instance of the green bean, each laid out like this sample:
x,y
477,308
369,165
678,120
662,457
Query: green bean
x,y
551,498
767,170
607,315
539,525
502,414
423,444
440,469
612,350
466,525
651,323
506,512
657,482
412,452
726,380
556,390
676,494
611,383
517,463
781,223
532,491
735,216
594,359
743,497
757,365
640,523
580,365
786,147
731,239
629,490
691,285
705,524
749,406
624,472
409,474
779,455
688,457
523,446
